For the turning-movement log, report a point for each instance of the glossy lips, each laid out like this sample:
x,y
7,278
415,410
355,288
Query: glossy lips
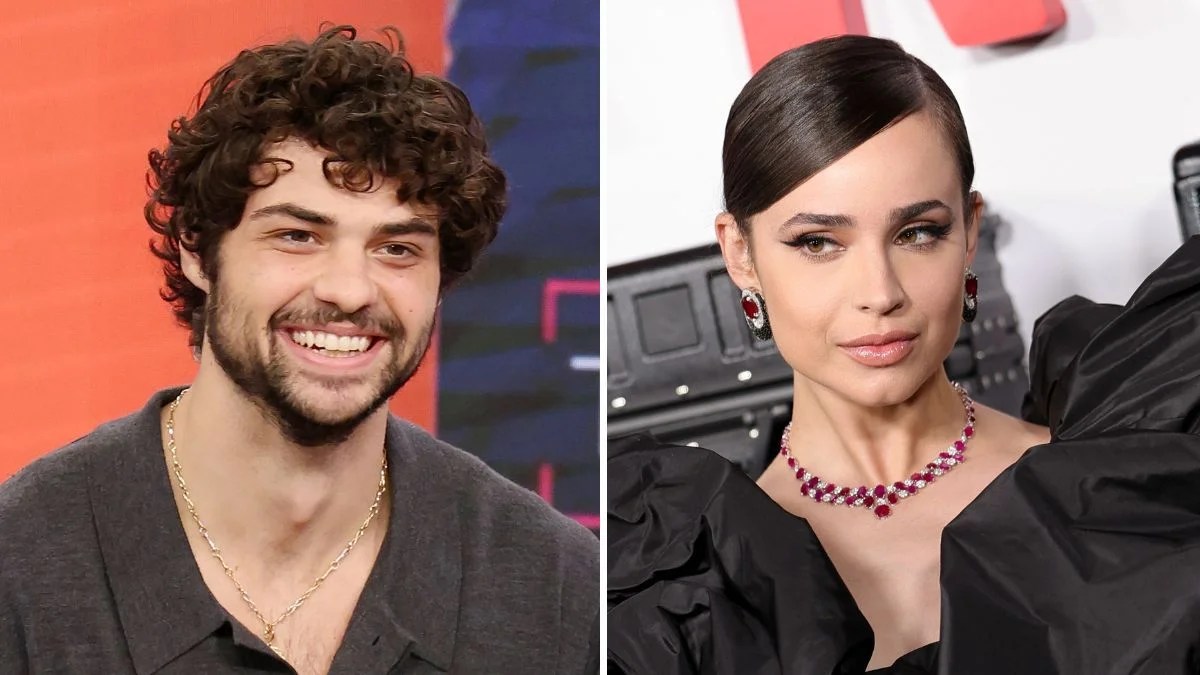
x,y
879,351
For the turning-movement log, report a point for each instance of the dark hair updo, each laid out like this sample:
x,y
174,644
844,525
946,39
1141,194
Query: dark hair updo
x,y
812,105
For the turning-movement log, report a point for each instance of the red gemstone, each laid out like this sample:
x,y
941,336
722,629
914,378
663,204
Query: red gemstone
x,y
831,488
960,457
916,476
900,486
928,477
792,462
804,489
812,482
972,286
868,500
749,308
892,498
968,431
844,492
879,491
818,494
861,491
960,446
944,455
883,511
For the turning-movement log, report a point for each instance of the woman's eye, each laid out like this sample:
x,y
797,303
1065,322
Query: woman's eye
x,y
814,245
926,235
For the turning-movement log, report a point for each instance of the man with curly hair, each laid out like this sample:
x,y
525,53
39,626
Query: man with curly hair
x,y
272,516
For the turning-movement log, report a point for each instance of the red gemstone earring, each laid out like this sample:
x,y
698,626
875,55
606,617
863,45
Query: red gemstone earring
x,y
970,299
756,314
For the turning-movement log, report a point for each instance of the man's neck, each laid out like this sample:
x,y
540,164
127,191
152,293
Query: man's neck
x,y
265,499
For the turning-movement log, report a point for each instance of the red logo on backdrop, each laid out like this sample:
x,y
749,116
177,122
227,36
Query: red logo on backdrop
x,y
775,26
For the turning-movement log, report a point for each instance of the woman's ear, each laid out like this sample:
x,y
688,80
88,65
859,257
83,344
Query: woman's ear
x,y
735,249
974,220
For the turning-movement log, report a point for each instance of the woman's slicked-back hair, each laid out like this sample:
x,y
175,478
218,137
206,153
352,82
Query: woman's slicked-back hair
x,y
812,105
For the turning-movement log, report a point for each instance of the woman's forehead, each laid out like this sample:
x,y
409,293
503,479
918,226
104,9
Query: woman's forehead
x,y
907,163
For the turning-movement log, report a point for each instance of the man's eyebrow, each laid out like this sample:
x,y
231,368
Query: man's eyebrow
x,y
293,211
414,225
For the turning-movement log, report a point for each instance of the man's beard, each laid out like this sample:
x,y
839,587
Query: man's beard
x,y
272,388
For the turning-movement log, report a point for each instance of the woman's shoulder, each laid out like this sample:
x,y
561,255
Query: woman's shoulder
x,y
1008,437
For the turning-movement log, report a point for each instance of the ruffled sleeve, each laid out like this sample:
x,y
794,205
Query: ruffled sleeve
x,y
1084,556
708,575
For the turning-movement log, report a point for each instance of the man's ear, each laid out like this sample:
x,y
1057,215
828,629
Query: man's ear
x,y
192,269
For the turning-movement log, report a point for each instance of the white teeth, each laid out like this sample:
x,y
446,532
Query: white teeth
x,y
330,342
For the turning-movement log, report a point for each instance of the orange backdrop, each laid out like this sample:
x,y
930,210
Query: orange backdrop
x,y
86,88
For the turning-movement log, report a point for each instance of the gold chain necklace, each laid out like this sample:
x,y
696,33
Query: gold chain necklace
x,y
268,634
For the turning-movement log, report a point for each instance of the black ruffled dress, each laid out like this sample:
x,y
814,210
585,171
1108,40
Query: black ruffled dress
x,y
1083,557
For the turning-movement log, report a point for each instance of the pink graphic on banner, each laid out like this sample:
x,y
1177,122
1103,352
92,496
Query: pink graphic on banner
x,y
551,291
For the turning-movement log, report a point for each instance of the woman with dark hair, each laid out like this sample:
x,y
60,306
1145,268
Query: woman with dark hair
x,y
851,225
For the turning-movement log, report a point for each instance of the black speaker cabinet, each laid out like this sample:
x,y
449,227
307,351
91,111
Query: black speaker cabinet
x,y
1187,188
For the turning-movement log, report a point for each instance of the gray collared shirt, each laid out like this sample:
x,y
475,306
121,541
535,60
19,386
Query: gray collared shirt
x,y
475,575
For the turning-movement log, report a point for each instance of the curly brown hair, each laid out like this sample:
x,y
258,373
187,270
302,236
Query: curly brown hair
x,y
358,99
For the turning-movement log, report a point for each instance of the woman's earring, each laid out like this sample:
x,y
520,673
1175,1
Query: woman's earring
x,y
971,298
755,309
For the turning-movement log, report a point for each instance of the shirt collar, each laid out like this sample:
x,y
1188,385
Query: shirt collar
x,y
413,593
164,606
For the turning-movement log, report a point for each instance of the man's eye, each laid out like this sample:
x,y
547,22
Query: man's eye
x,y
397,250
297,236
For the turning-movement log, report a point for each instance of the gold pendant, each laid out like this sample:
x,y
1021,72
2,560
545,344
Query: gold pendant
x,y
269,638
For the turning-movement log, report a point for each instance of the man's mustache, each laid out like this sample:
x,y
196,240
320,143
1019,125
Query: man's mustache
x,y
363,319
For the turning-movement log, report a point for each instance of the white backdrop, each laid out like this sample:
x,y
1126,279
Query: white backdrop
x,y
1072,136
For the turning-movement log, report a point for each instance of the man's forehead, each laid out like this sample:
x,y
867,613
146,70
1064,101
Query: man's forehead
x,y
294,160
